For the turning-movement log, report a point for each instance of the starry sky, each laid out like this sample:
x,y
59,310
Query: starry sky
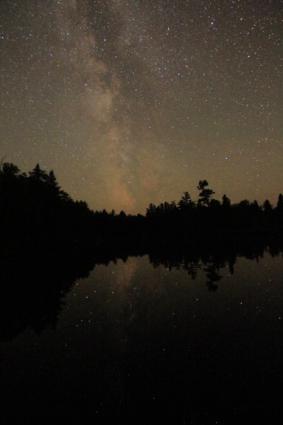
x,y
135,101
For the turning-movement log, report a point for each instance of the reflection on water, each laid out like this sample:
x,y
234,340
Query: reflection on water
x,y
193,339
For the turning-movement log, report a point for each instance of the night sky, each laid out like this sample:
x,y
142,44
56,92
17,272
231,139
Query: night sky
x,y
132,102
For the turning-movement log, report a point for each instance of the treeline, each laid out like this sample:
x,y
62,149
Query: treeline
x,y
36,212
208,215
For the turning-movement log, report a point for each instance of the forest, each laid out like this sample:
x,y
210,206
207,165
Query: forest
x,y
36,213
48,241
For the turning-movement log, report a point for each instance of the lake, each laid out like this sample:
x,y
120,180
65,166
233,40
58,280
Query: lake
x,y
144,341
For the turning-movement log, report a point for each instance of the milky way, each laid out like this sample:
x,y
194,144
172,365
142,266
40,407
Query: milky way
x,y
132,102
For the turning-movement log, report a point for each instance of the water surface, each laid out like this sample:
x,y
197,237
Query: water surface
x,y
141,342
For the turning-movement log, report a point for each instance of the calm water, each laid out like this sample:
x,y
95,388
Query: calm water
x,y
134,343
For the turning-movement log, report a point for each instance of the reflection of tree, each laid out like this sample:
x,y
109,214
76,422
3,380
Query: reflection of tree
x,y
192,269
212,258
33,292
34,288
213,276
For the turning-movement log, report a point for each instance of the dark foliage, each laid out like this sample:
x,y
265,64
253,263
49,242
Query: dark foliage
x,y
36,214
34,286
208,217
48,241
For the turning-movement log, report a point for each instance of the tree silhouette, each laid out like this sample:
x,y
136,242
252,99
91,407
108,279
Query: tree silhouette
x,y
267,207
205,193
36,212
185,202
226,203
9,170
151,210
38,175
280,203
